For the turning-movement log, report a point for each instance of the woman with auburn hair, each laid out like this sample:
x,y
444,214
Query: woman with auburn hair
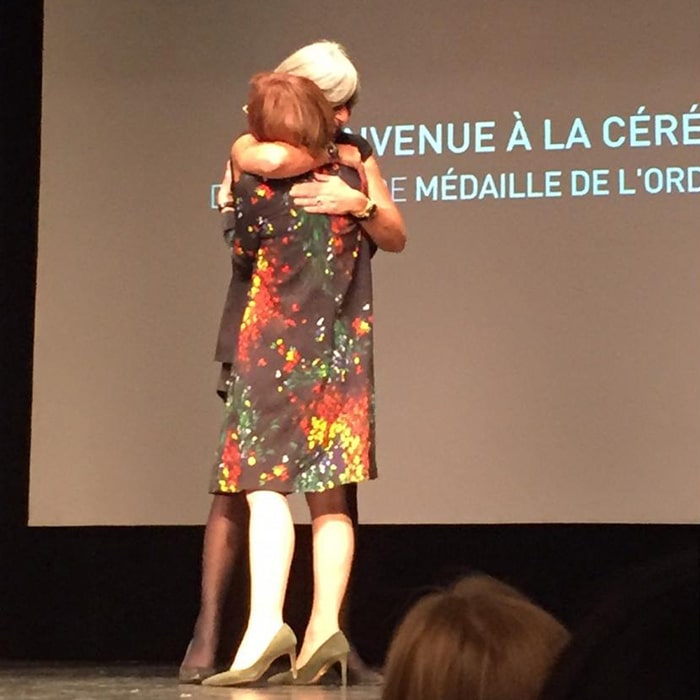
x,y
328,66
299,414
481,640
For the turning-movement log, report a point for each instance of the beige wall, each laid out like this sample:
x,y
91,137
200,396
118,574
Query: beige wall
x,y
538,360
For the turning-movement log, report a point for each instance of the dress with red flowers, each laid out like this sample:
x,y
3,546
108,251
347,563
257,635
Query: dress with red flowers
x,y
300,410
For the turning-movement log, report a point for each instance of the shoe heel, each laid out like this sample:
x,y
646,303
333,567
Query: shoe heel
x,y
293,662
343,670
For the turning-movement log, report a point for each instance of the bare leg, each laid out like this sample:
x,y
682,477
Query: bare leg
x,y
333,548
351,499
225,532
271,533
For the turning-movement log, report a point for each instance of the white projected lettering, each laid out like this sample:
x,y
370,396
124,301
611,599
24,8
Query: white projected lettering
x,y
423,139
453,187
640,129
643,130
636,130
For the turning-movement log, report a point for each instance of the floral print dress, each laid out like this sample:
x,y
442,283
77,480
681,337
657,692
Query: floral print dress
x,y
300,409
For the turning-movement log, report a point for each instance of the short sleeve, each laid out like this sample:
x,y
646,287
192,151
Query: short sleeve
x,y
362,145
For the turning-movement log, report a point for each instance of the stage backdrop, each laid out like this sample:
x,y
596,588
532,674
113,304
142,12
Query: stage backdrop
x,y
537,343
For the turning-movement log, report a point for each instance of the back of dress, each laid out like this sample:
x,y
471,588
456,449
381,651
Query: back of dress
x,y
299,416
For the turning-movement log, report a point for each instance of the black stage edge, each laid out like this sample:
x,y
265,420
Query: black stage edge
x,y
131,593
117,594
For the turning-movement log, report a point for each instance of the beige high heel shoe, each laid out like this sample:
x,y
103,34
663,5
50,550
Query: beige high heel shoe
x,y
334,650
284,643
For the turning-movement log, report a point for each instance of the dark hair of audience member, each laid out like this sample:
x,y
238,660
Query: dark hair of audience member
x,y
640,640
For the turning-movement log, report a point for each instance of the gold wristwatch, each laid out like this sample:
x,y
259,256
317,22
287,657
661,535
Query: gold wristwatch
x,y
369,212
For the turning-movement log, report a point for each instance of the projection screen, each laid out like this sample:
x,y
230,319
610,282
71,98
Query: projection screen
x,y
538,341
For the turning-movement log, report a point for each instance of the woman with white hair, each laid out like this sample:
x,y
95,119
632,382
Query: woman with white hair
x,y
327,65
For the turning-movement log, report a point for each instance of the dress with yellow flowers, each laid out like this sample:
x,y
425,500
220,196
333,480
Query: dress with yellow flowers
x,y
300,410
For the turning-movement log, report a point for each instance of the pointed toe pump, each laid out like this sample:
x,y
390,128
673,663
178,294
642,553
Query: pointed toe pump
x,y
334,650
284,643
194,674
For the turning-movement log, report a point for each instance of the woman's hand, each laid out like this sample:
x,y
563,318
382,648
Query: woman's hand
x,y
350,155
224,197
328,194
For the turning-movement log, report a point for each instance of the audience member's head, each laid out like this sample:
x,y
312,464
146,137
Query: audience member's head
x,y
640,641
480,640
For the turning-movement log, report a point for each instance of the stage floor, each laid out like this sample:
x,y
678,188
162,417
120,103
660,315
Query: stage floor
x,y
71,682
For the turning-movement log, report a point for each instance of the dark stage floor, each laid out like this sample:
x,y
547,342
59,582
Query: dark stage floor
x,y
69,682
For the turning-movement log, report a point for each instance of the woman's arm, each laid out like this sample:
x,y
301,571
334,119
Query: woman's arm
x,y
243,225
329,194
226,205
387,227
274,159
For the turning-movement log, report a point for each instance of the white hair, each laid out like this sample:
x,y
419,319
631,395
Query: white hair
x,y
327,65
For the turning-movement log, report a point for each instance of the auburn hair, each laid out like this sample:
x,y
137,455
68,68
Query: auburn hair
x,y
482,640
289,108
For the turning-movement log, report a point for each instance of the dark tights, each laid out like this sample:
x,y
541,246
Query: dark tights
x,y
225,539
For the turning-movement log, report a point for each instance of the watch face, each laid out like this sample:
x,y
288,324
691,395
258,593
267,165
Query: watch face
x,y
368,213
